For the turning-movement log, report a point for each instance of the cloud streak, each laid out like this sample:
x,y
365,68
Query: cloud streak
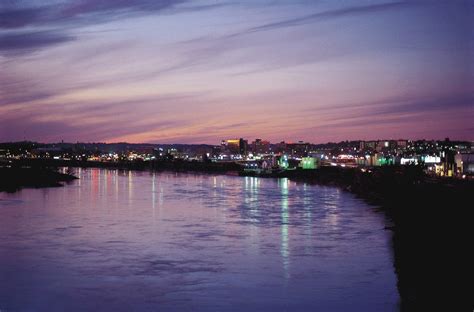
x,y
74,12
59,19
24,42
325,15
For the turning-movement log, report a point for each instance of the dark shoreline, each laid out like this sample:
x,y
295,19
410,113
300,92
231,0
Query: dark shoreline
x,y
431,226
430,221
16,178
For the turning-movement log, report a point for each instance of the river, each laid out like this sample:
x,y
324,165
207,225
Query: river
x,y
129,240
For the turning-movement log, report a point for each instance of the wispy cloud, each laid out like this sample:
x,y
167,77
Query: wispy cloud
x,y
16,15
57,20
325,15
25,42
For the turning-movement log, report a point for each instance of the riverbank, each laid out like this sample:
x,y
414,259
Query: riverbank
x,y
14,178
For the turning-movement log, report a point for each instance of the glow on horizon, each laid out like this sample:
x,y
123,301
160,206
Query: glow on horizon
x,y
198,72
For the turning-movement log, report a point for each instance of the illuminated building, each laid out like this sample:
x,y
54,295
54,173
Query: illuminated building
x,y
283,162
428,159
464,163
385,161
231,145
409,161
308,163
235,146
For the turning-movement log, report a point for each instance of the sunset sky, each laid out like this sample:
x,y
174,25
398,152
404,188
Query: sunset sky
x,y
201,71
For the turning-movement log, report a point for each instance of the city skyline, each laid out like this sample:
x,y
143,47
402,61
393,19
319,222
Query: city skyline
x,y
197,72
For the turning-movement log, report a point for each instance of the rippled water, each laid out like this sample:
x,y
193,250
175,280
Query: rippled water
x,y
123,240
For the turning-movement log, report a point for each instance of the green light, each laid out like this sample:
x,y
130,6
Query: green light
x,y
283,162
308,163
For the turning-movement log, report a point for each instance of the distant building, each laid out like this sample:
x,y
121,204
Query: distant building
x,y
402,144
464,163
260,146
409,161
299,149
367,145
243,146
448,159
428,159
382,145
235,146
280,147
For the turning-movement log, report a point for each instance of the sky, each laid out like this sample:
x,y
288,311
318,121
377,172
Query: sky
x,y
172,71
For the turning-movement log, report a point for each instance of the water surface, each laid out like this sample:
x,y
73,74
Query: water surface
x,y
123,240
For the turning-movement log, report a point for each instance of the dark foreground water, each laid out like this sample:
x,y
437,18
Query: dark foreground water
x,y
138,241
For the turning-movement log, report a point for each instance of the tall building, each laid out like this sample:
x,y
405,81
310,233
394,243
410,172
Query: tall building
x,y
243,146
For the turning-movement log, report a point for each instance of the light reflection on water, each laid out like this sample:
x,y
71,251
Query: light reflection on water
x,y
124,240
283,184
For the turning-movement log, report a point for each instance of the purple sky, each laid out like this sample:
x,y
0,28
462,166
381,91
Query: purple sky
x,y
201,71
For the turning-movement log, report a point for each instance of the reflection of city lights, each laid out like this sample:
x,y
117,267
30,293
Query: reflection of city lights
x,y
284,250
130,182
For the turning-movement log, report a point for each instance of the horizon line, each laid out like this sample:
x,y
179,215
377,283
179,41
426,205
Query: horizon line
x,y
275,142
